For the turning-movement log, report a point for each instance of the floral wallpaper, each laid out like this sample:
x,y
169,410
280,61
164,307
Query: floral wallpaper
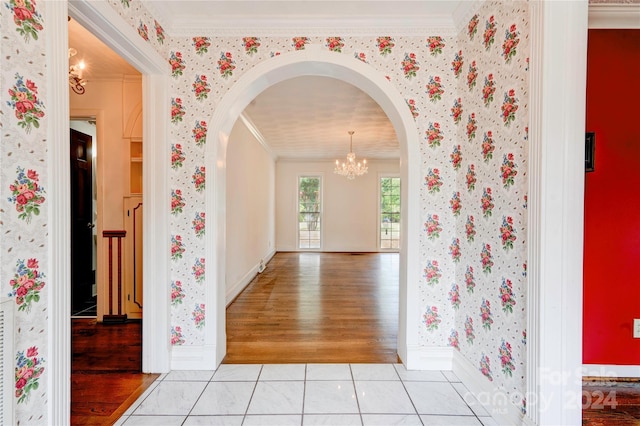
x,y
492,181
24,198
137,15
23,192
468,94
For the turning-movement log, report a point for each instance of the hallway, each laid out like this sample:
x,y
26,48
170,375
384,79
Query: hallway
x,y
317,307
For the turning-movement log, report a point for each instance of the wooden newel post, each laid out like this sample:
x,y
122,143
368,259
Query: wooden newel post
x,y
111,317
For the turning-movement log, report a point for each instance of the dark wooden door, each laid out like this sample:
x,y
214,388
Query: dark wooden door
x,y
82,276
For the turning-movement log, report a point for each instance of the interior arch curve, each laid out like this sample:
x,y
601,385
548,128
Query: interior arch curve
x,y
312,62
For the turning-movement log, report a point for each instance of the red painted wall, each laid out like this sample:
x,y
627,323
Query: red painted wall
x,y
612,199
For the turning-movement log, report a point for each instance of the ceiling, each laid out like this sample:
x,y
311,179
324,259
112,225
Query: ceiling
x,y
101,62
309,117
300,118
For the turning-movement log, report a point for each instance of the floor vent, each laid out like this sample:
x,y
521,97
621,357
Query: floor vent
x,y
6,361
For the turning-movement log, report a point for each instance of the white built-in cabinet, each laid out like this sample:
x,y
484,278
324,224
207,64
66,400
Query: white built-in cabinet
x,y
132,213
135,166
132,261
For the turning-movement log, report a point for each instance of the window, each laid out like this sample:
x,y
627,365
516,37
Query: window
x,y
389,212
309,212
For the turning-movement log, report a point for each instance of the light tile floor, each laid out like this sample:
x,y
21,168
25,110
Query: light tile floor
x,y
307,394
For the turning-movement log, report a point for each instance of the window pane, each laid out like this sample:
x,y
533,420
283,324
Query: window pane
x,y
389,213
309,212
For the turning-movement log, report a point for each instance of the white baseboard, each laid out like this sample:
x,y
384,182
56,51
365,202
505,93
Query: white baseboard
x,y
429,358
604,370
193,357
269,256
495,401
295,249
239,285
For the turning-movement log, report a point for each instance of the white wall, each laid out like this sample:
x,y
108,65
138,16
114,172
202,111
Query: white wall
x,y
250,209
115,100
349,207
115,104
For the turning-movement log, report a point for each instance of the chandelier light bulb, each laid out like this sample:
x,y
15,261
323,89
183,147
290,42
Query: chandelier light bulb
x,y
350,169
76,81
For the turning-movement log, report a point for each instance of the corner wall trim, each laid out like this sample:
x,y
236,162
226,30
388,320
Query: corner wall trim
x,y
58,329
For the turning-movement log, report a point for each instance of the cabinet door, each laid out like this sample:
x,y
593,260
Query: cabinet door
x,y
132,275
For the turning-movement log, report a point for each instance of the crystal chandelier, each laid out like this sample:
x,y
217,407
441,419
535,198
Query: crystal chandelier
x,y
75,74
350,168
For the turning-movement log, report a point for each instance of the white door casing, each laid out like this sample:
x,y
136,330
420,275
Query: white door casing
x,y
102,20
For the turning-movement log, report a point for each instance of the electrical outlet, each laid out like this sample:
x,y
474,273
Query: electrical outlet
x,y
636,328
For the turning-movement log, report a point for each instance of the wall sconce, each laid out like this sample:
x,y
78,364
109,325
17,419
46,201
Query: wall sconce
x,y
75,74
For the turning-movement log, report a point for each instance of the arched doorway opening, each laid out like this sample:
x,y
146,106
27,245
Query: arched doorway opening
x,y
312,62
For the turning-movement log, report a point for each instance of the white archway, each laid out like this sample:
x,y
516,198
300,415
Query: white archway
x,y
316,62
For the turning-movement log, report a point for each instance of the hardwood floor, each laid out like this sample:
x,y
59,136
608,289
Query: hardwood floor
x,y
317,307
106,373
610,402
304,308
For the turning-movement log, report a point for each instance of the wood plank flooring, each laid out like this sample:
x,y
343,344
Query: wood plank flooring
x,y
611,402
318,307
106,368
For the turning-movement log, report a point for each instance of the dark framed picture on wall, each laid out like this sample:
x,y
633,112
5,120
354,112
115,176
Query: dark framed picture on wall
x,y
590,150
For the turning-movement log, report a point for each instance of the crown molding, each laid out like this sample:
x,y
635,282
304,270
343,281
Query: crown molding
x,y
132,78
305,25
315,27
115,78
246,120
614,16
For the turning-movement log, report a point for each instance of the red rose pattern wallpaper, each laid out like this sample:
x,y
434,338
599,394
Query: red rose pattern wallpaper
x,y
474,161
25,199
468,94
